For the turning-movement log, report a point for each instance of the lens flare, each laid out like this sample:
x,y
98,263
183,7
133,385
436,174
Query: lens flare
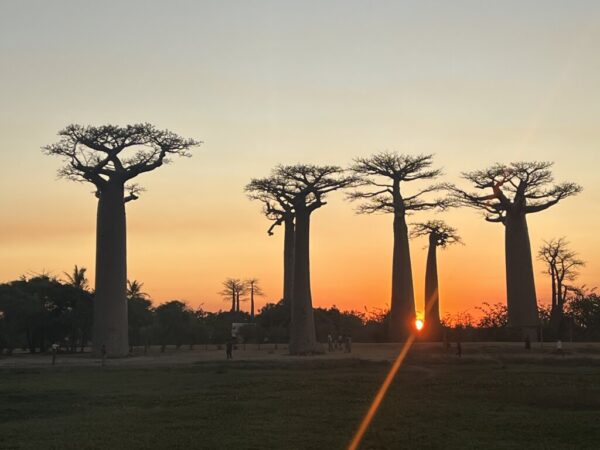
x,y
419,324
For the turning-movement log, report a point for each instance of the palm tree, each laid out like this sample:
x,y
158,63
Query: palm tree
x,y
77,278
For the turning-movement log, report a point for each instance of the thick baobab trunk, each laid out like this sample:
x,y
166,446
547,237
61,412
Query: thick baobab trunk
x,y
288,259
432,296
303,339
110,303
520,284
402,320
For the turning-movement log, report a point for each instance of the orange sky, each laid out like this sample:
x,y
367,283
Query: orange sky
x,y
270,84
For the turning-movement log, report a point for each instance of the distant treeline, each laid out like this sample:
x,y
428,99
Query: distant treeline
x,y
40,311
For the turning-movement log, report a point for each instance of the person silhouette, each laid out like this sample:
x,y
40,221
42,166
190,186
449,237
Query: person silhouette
x,y
229,349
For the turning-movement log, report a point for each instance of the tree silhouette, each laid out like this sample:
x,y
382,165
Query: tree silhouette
x,y
233,289
382,175
139,314
77,278
109,157
278,207
134,290
254,289
306,187
440,235
561,264
513,191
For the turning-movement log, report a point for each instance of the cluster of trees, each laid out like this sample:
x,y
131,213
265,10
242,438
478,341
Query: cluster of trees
x,y
40,311
509,192
237,290
580,320
110,157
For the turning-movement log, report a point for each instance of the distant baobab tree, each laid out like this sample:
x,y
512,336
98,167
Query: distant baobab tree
x,y
306,186
233,289
440,235
254,289
277,206
384,174
512,191
561,264
109,157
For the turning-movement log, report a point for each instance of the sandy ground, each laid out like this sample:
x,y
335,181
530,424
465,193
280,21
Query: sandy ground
x,y
424,352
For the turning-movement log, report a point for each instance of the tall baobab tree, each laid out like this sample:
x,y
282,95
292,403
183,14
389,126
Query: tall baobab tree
x,y
383,175
254,289
511,192
440,235
109,157
277,206
306,186
562,265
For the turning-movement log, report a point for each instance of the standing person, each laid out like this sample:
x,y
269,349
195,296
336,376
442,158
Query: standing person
x,y
348,344
103,353
54,351
340,341
330,342
229,349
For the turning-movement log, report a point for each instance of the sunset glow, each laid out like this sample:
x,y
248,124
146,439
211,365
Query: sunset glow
x,y
419,324
277,96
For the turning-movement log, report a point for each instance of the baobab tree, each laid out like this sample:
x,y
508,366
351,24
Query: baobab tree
x,y
233,289
254,289
440,235
306,186
109,157
512,191
277,207
382,176
562,265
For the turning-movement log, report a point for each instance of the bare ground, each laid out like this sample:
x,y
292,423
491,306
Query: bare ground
x,y
492,352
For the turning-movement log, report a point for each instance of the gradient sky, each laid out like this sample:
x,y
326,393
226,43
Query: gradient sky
x,y
268,82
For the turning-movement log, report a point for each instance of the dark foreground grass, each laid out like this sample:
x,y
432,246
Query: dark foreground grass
x,y
304,404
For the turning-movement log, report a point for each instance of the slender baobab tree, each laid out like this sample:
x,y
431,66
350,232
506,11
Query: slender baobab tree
x,y
511,191
440,235
562,265
382,176
254,289
277,206
306,186
109,157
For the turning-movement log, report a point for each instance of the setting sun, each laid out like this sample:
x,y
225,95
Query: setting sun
x,y
419,324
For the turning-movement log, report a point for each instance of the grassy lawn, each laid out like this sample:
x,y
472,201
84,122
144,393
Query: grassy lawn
x,y
433,403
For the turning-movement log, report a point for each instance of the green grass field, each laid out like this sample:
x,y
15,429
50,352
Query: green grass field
x,y
436,401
